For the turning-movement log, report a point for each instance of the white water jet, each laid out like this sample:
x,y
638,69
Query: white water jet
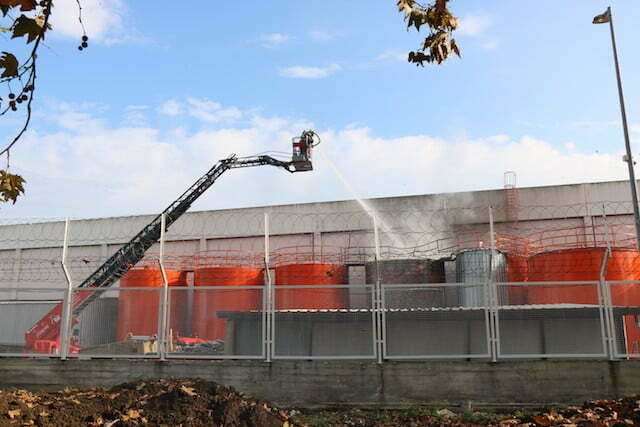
x,y
363,204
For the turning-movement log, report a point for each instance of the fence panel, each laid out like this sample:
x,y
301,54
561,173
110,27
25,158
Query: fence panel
x,y
558,320
20,313
323,322
435,321
116,322
625,317
217,322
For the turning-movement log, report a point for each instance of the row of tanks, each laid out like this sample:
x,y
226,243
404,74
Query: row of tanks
x,y
138,310
232,282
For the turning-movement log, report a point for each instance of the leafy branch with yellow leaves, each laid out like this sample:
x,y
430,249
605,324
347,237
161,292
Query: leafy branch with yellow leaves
x,y
438,45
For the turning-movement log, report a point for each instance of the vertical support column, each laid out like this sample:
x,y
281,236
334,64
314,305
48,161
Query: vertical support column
x,y
67,315
164,296
267,297
604,295
378,305
493,294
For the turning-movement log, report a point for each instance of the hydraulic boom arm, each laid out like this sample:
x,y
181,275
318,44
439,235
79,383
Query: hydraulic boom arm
x,y
48,328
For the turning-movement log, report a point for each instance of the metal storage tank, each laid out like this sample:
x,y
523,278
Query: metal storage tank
x,y
584,264
517,271
225,269
138,310
624,264
408,272
567,265
308,266
474,266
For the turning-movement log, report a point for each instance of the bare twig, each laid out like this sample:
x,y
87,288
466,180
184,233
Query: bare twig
x,y
30,67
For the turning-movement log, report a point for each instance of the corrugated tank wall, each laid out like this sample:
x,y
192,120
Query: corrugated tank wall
x,y
474,266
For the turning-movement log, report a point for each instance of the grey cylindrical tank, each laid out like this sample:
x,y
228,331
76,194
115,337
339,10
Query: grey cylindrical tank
x,y
474,266
405,272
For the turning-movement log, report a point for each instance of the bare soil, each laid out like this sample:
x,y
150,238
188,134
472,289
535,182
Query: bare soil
x,y
192,402
153,402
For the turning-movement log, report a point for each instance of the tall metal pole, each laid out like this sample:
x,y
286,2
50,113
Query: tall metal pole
x,y
625,127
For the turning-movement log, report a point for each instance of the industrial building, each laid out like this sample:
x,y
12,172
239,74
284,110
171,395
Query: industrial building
x,y
394,278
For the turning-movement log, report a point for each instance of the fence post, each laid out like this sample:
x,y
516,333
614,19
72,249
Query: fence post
x,y
267,297
493,294
164,296
604,291
67,315
378,307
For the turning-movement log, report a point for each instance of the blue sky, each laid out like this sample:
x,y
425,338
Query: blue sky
x,y
161,91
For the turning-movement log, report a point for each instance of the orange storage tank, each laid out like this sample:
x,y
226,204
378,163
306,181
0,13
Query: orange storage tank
x,y
571,265
517,271
225,271
310,265
625,265
139,310
584,265
309,298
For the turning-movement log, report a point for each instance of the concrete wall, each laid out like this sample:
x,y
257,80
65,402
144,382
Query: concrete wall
x,y
424,334
309,384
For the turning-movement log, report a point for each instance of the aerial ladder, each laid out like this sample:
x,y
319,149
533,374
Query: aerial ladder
x,y
44,336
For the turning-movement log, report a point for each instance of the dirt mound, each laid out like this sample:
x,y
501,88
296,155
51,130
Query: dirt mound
x,y
153,402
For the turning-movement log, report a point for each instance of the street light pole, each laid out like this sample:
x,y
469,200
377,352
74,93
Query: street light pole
x,y
600,19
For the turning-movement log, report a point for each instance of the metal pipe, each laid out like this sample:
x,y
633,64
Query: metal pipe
x,y
492,287
268,317
68,300
164,312
378,292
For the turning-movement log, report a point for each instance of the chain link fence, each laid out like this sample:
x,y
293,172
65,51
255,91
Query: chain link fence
x,y
281,283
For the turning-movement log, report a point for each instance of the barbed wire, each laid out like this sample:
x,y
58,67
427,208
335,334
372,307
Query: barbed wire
x,y
31,249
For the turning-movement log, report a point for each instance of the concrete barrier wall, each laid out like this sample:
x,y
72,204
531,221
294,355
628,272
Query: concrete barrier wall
x,y
317,384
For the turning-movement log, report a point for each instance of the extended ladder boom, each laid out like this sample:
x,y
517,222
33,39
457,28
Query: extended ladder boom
x,y
132,252
127,256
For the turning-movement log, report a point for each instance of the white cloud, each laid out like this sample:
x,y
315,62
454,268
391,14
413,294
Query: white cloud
x,y
498,138
171,108
211,112
135,115
273,40
320,35
201,109
75,118
103,20
303,72
392,55
100,169
474,25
